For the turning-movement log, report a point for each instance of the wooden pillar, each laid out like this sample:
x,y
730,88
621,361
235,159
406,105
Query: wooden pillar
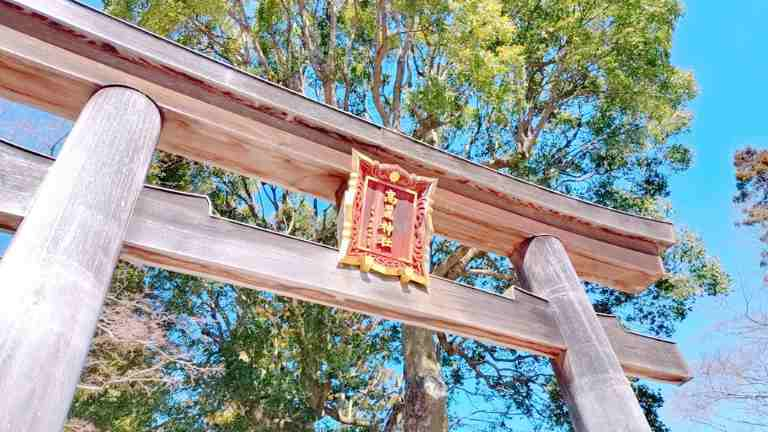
x,y
58,267
599,396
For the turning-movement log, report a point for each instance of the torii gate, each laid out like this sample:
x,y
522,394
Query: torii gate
x,y
132,91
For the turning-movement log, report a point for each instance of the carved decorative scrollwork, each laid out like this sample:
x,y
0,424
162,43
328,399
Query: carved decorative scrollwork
x,y
387,220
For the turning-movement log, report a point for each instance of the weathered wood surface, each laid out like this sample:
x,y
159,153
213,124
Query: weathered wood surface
x,y
217,114
591,379
175,231
59,264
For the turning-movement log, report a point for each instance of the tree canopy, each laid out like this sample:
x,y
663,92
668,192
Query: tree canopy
x,y
752,191
575,95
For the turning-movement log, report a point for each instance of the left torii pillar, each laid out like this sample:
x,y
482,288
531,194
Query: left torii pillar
x,y
58,267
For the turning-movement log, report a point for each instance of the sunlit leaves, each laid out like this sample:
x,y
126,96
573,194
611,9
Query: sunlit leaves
x,y
576,95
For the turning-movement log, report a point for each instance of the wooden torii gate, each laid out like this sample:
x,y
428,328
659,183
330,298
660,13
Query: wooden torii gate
x,y
131,91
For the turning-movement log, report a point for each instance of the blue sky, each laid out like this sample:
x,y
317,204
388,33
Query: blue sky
x,y
724,44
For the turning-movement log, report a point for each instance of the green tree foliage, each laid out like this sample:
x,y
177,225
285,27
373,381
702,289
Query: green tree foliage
x,y
575,95
752,191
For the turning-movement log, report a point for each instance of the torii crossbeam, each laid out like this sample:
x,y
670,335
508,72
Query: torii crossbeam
x,y
61,56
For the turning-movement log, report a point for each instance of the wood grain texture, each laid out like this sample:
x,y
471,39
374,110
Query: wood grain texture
x,y
217,114
59,264
591,379
175,231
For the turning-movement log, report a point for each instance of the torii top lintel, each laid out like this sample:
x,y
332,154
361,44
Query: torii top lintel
x,y
55,53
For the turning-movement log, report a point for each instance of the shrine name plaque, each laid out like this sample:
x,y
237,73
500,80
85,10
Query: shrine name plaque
x,y
387,220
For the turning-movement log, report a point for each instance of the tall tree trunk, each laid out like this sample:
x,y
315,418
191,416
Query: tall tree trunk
x,y
426,395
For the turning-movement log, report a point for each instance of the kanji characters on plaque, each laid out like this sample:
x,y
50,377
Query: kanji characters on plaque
x,y
386,220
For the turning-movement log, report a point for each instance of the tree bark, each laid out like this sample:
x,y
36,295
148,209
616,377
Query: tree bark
x,y
59,265
426,395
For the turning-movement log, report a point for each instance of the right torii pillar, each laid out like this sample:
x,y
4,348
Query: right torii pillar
x,y
598,394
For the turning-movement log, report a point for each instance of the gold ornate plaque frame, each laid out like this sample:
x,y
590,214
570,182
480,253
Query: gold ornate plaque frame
x,y
387,220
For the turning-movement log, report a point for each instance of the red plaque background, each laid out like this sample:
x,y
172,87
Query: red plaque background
x,y
364,240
